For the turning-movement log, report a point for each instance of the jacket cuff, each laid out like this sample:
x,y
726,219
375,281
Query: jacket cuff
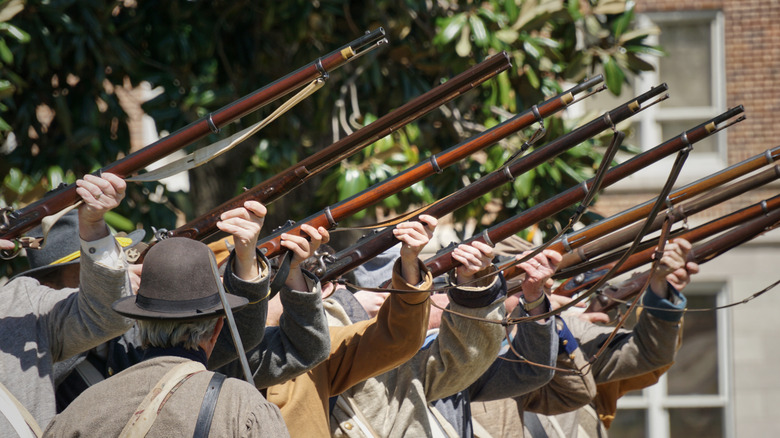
x,y
665,309
255,289
480,297
424,287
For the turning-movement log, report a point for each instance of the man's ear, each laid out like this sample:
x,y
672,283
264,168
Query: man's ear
x,y
218,328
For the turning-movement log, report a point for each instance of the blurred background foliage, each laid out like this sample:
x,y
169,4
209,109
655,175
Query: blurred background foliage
x,y
63,61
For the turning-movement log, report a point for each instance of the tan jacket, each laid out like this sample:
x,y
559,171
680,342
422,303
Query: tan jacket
x,y
358,352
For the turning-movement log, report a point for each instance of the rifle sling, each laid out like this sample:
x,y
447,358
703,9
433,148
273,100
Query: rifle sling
x,y
206,414
208,153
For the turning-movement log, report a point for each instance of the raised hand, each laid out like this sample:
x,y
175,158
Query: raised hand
x,y
673,267
302,248
100,194
245,224
473,258
414,235
538,271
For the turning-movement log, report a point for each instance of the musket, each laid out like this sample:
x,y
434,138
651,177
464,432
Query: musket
x,y
444,262
683,210
331,215
576,284
372,245
594,231
271,189
14,223
701,253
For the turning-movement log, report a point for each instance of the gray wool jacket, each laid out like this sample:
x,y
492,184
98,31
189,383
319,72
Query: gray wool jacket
x,y
41,326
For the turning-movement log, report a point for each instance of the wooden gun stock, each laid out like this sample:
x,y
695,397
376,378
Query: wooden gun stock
x,y
583,281
591,250
702,253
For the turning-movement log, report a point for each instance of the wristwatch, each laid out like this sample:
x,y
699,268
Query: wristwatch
x,y
533,304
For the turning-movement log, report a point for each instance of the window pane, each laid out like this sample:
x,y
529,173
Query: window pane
x,y
695,370
673,129
629,422
703,422
687,68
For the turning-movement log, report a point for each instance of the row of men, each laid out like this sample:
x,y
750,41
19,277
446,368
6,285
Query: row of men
x,y
140,350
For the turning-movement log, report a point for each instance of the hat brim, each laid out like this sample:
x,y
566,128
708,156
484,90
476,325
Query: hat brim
x,y
136,237
128,307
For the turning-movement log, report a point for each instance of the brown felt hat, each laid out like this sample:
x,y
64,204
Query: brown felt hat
x,y
178,283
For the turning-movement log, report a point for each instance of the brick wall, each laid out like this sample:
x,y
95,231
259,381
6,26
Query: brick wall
x,y
752,59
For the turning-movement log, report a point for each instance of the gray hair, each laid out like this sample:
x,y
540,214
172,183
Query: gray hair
x,y
166,333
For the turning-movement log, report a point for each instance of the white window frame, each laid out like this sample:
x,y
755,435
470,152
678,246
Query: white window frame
x,y
655,401
699,164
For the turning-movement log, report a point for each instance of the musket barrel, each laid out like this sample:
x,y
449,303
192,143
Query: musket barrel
x,y
394,184
444,262
349,258
701,253
274,187
24,219
603,227
676,213
580,282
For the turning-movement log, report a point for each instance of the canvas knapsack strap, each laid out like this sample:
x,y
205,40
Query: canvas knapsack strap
x,y
146,413
203,425
20,418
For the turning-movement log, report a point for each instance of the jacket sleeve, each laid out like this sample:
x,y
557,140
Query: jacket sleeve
x,y
86,319
566,391
250,320
299,343
650,345
369,348
507,375
465,348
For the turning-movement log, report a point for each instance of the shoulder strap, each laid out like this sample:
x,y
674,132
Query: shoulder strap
x,y
146,413
20,418
203,425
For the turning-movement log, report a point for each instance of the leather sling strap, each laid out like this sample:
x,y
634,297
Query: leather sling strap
x,y
17,415
146,413
203,425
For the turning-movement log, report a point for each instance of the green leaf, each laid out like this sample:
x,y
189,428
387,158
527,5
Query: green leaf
x,y
621,24
55,176
512,11
613,76
533,79
638,64
119,222
353,181
479,31
452,29
5,53
15,33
